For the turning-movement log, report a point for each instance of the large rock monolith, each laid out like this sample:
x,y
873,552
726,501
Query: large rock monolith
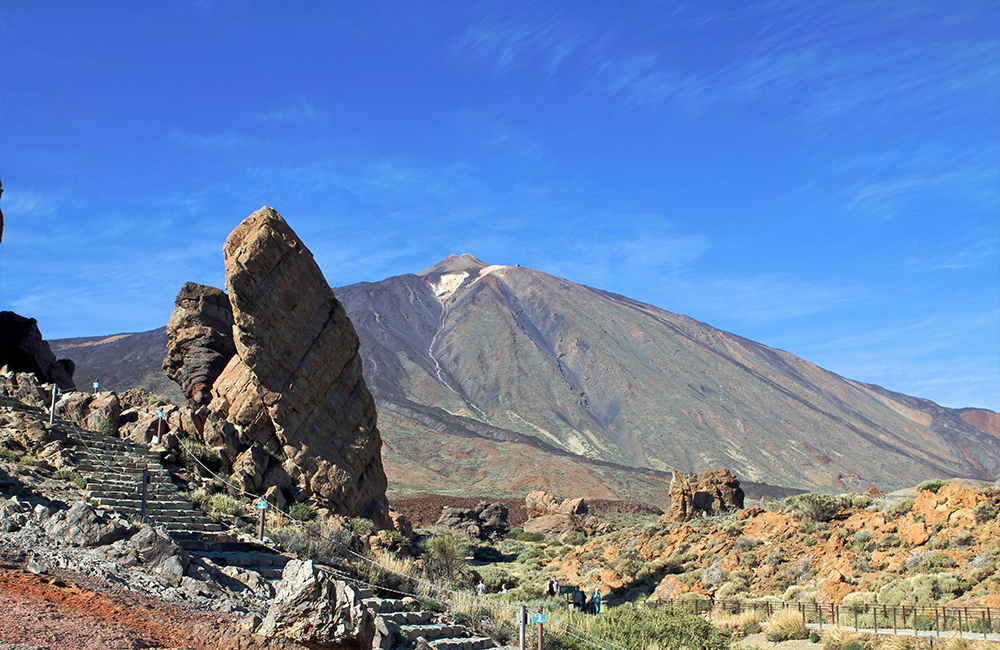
x,y
295,386
199,340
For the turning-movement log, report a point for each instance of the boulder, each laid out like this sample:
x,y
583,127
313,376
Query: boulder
x,y
159,555
96,412
551,518
315,610
296,382
24,387
703,493
199,340
487,521
22,349
81,525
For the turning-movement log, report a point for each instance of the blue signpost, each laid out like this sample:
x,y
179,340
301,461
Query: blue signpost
x,y
261,509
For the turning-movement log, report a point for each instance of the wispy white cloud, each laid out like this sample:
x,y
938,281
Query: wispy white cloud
x,y
217,141
298,113
25,203
510,42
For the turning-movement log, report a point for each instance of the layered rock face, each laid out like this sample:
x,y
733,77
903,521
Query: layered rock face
x,y
22,349
295,387
703,493
199,340
551,518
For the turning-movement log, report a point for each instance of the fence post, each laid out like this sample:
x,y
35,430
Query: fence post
x,y
915,610
875,618
983,614
894,619
539,629
522,618
145,482
802,609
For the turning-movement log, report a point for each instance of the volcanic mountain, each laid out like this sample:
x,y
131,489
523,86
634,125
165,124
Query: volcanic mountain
x,y
501,379
509,353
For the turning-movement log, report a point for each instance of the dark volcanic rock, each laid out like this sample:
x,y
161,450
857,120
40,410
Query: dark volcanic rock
x,y
295,386
707,493
485,521
199,340
23,350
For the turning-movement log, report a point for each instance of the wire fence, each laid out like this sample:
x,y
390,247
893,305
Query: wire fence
x,y
878,618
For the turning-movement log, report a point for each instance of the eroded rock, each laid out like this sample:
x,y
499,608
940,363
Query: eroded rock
x,y
295,385
316,610
22,349
703,493
199,340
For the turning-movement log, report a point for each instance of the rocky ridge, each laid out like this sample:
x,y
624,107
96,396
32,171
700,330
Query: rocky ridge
x,y
22,349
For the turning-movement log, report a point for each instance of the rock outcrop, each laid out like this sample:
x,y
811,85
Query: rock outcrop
x,y
317,611
487,521
551,518
22,349
703,493
295,386
199,340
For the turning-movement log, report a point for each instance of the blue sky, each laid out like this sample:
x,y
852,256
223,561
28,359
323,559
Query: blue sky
x,y
820,177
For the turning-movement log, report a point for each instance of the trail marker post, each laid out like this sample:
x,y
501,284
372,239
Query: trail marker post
x,y
96,386
159,427
540,620
145,482
522,622
261,509
52,411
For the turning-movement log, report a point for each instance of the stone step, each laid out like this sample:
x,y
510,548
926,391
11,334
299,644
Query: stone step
x,y
384,605
431,630
242,559
469,643
408,618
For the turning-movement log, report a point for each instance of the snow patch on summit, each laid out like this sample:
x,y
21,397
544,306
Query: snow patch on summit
x,y
447,284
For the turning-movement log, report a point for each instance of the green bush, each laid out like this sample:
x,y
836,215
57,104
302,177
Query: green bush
x,y
529,537
302,512
225,504
105,428
72,477
27,461
899,508
9,454
636,628
444,559
815,507
932,486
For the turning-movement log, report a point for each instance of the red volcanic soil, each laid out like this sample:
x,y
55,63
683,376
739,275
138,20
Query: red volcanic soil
x,y
66,611
425,509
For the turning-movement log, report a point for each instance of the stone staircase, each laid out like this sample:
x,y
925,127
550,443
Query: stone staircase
x,y
413,622
113,469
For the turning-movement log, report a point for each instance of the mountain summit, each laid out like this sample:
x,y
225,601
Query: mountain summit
x,y
506,353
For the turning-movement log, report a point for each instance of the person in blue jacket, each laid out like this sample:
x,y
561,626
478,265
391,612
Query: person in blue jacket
x,y
596,600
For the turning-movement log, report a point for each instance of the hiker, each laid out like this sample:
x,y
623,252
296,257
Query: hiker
x,y
550,588
596,600
555,587
481,588
579,599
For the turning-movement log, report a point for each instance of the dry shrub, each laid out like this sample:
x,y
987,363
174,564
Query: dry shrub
x,y
836,638
743,624
786,625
